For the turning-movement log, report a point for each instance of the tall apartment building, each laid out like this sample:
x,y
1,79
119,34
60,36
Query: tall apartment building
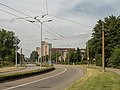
x,y
46,51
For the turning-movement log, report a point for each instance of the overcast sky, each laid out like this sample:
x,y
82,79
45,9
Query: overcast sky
x,y
72,23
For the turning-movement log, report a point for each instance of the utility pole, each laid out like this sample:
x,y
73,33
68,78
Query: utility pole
x,y
69,48
88,54
41,22
50,53
16,53
103,49
41,47
68,56
46,52
56,56
21,62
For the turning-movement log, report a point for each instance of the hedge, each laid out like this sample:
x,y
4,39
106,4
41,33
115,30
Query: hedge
x,y
19,75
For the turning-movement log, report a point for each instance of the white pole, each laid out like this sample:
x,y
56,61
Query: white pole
x,y
16,53
41,47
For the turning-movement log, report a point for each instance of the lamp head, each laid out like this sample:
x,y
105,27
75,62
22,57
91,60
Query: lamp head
x,y
49,20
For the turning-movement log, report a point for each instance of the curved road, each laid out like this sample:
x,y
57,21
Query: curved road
x,y
58,79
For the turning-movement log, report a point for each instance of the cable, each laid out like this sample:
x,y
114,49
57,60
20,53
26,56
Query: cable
x,y
14,9
8,13
30,16
47,7
54,31
47,14
43,16
25,19
46,31
69,20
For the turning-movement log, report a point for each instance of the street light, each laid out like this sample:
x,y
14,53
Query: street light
x,y
41,38
41,33
16,52
69,53
50,49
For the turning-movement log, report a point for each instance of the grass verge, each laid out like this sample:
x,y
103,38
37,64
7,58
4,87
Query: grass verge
x,y
18,75
95,79
2,70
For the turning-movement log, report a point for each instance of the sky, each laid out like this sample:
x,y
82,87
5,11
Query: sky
x,y
71,26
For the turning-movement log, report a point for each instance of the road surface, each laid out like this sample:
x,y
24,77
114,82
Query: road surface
x,y
58,79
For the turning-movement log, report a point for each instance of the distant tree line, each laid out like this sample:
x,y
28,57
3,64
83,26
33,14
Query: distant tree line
x,y
8,42
74,56
111,26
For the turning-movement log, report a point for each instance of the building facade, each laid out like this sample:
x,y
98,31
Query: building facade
x,y
46,51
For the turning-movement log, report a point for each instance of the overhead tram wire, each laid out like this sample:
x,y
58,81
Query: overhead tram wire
x,y
46,7
46,14
69,20
13,9
28,21
48,31
27,15
37,16
54,31
8,13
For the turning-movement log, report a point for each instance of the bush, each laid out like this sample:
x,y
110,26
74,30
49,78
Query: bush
x,y
24,74
98,59
114,60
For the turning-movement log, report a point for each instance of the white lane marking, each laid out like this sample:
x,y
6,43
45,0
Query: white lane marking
x,y
36,80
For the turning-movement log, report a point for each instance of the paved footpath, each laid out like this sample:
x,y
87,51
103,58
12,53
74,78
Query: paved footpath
x,y
106,68
28,68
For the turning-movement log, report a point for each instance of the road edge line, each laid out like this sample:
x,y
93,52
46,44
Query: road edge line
x,y
37,80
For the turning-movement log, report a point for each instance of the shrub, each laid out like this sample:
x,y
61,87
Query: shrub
x,y
4,77
114,60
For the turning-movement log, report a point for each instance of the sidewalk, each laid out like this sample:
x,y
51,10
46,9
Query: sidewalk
x,y
106,68
11,70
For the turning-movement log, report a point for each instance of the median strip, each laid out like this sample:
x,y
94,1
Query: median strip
x,y
18,75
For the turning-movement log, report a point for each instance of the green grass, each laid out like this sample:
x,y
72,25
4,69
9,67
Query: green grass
x,y
18,75
97,80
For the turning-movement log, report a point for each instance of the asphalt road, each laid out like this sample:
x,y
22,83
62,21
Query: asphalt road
x,y
58,79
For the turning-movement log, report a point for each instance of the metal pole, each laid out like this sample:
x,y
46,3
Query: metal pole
x,y
16,53
50,54
88,53
21,57
41,47
46,52
56,56
68,56
103,49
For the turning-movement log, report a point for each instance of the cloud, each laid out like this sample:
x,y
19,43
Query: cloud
x,y
96,8
83,11
78,33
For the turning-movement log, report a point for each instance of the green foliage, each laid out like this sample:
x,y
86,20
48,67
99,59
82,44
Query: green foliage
x,y
115,58
7,77
73,57
34,56
8,41
78,55
56,55
112,39
98,60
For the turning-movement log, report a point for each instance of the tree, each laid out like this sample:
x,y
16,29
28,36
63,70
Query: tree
x,y
78,55
34,56
7,45
55,55
73,57
112,38
115,58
